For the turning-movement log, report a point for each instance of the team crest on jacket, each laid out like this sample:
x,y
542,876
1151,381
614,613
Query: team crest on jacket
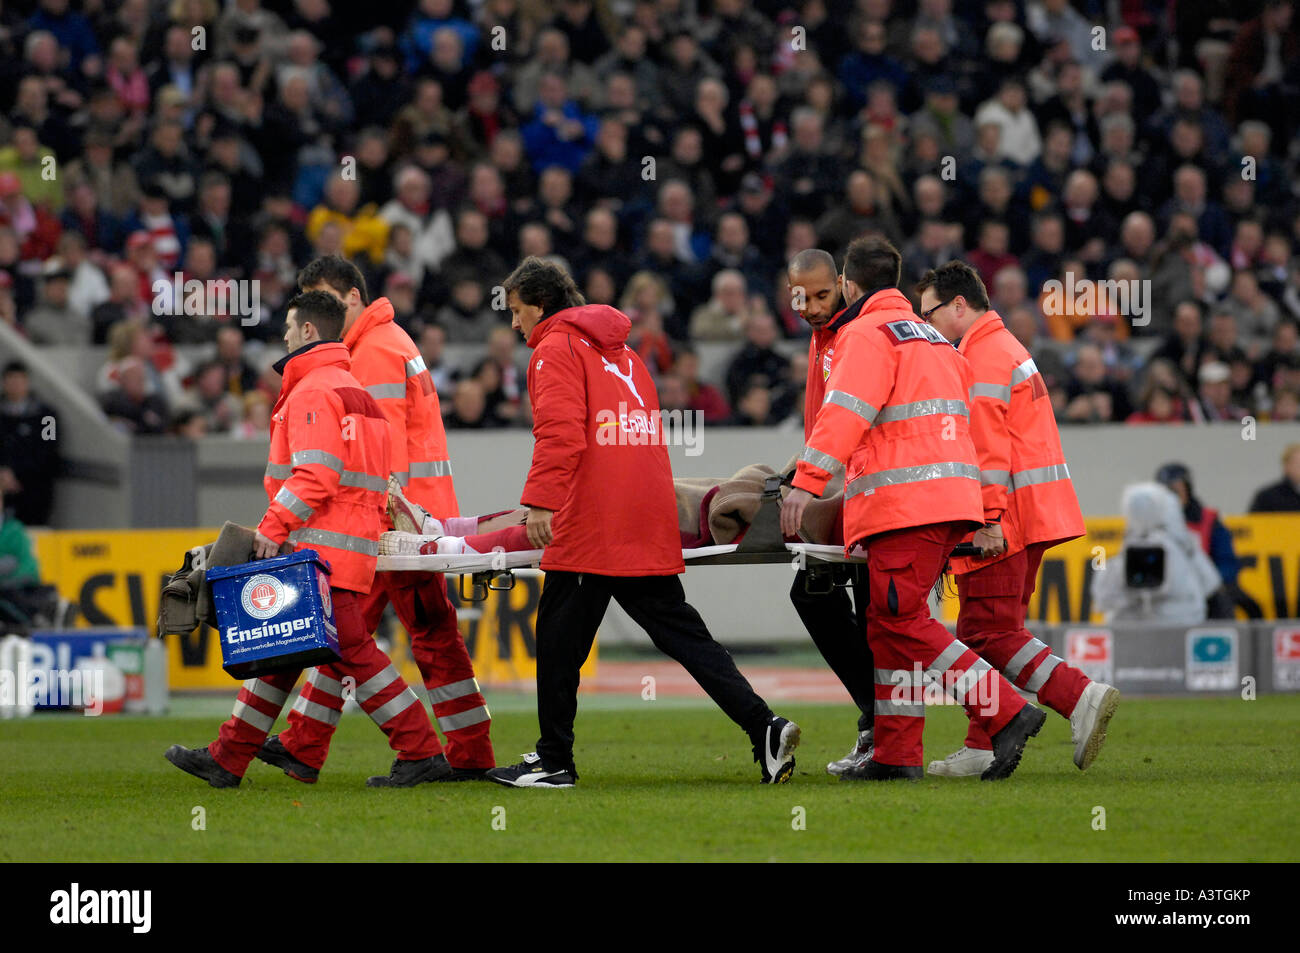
x,y
826,363
262,596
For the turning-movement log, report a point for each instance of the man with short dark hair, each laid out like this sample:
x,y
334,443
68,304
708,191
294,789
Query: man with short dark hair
x,y
29,450
600,501
895,416
834,622
325,478
1029,507
390,368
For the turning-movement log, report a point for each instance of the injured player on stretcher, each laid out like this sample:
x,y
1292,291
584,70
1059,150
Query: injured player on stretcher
x,y
709,512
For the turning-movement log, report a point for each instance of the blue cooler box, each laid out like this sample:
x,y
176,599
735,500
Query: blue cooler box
x,y
275,615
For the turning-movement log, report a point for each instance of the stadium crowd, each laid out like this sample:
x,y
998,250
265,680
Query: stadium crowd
x,y
674,154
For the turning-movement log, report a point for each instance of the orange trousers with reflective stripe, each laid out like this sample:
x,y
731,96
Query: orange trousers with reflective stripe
x,y
994,601
362,661
421,603
903,566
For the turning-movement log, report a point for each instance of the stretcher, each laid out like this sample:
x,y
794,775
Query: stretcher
x,y
762,543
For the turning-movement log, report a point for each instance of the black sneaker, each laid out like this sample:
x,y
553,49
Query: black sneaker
x,y
773,750
274,753
1009,743
201,764
407,774
872,770
531,773
467,774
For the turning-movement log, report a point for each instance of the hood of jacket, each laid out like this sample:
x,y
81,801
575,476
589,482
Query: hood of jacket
x,y
605,327
379,311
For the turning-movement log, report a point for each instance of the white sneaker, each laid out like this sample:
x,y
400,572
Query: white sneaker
x,y
1088,721
860,752
962,763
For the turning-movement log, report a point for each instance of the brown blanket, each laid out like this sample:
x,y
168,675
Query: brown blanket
x,y
736,500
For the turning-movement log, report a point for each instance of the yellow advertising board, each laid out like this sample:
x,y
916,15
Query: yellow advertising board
x,y
1268,546
115,578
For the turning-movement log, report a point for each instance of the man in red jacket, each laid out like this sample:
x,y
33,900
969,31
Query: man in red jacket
x,y
895,415
834,622
1029,507
600,499
389,366
325,480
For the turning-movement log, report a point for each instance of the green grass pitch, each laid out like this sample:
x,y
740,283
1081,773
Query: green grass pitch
x,y
1179,780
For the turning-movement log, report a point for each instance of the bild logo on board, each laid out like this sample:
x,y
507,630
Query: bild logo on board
x,y
262,596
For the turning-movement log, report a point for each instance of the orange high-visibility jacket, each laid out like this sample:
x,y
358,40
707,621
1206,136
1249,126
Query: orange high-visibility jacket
x,y
1023,475
389,366
896,413
327,475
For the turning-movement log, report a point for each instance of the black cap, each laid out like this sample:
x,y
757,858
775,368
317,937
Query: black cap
x,y
1171,472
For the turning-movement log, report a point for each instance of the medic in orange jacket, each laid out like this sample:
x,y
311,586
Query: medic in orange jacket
x,y
327,475
1023,477
390,367
916,464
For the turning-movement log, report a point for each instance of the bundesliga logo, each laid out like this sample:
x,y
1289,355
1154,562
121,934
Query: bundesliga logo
x,y
262,596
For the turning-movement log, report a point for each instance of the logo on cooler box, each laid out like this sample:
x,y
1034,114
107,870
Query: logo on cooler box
x,y
1092,652
1286,659
262,596
1212,660
323,584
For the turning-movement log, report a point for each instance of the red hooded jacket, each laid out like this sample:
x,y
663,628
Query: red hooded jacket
x,y
599,457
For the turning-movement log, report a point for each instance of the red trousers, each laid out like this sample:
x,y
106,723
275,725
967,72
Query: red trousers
x,y
994,601
421,603
911,649
382,693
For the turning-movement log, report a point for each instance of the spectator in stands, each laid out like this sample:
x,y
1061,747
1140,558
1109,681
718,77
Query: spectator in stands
x,y
363,231
758,359
432,340
560,132
29,448
36,229
723,317
469,409
753,405
466,318
860,212
241,378
55,320
32,163
87,288
1093,395
1284,495
130,407
1216,394
210,398
701,396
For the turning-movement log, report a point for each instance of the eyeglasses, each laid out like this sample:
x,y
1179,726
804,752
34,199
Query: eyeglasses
x,y
925,315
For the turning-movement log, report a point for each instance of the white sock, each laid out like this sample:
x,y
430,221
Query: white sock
x,y
432,527
453,546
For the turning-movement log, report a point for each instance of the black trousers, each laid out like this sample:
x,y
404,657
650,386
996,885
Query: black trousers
x,y
571,608
838,629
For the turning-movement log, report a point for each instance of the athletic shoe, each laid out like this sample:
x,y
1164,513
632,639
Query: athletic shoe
x,y
871,770
409,517
1088,721
860,752
962,763
274,753
531,773
467,774
201,764
407,774
393,543
1009,743
774,751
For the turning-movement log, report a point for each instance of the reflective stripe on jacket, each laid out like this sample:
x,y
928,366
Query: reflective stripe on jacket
x,y
1023,476
327,473
388,364
895,412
